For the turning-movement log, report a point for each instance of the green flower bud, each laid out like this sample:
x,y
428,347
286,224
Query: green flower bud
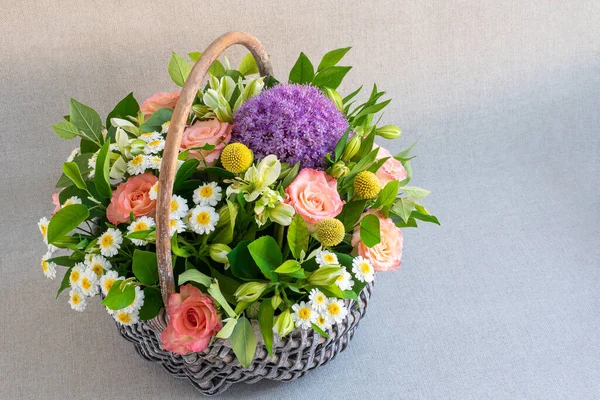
x,y
335,97
339,170
351,148
388,132
250,291
283,323
218,252
275,301
326,275
136,147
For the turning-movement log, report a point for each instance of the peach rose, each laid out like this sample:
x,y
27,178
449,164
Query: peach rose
x,y
193,321
314,196
158,101
206,132
387,255
391,170
132,197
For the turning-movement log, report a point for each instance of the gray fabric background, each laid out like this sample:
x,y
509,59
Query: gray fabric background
x,y
500,302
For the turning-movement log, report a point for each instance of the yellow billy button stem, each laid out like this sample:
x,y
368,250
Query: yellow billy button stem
x,y
367,185
330,232
236,158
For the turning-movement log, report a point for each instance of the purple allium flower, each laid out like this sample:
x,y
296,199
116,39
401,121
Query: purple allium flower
x,y
293,122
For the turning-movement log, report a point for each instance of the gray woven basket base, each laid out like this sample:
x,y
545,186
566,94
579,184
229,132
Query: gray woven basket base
x,y
216,368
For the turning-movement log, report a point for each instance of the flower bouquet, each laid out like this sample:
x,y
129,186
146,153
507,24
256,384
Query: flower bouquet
x,y
234,230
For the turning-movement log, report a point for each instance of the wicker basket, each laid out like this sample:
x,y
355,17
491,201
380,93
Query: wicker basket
x,y
216,368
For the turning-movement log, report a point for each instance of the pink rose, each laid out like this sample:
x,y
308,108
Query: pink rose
x,y
391,170
193,321
132,197
206,132
314,196
56,203
387,255
158,101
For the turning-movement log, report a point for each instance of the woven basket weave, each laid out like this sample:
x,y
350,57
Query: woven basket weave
x,y
216,368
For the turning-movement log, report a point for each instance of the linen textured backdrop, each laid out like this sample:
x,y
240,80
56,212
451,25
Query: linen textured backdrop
x,y
500,302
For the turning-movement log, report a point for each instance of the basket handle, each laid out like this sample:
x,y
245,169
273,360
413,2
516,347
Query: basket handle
x,y
173,142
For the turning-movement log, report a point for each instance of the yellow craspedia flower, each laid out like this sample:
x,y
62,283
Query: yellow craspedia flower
x,y
236,158
330,232
367,185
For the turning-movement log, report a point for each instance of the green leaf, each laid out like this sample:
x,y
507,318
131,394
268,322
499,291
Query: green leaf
x,y
403,207
351,95
297,236
227,285
65,283
193,275
288,267
425,217
411,223
408,169
65,261
341,144
141,235
87,120
71,170
195,55
217,69
242,263
101,176
265,321
387,195
243,341
267,255
179,69
186,170
155,121
65,220
370,230
248,65
415,192
330,77
289,178
405,153
117,299
227,329
351,213
303,71
127,107
65,130
225,233
320,331
145,266
82,163
179,252
375,108
152,303
215,292
332,58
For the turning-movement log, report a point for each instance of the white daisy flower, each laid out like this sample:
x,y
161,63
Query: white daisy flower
x,y
92,160
154,146
208,194
179,207
153,193
176,225
43,225
322,322
52,248
110,242
73,154
137,165
77,300
150,136
113,147
303,315
48,268
318,300
141,224
98,264
76,274
91,174
154,162
336,311
138,301
71,200
363,270
125,316
325,257
165,127
344,281
203,219
107,280
88,284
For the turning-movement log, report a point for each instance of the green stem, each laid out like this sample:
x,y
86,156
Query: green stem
x,y
278,230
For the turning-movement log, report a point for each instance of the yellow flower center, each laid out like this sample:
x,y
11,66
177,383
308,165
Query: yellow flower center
x,y
44,230
140,226
67,203
45,266
365,268
206,191
124,317
75,299
321,320
86,284
320,298
75,276
174,205
304,313
173,223
154,143
107,240
97,268
333,308
137,160
108,284
203,218
329,258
